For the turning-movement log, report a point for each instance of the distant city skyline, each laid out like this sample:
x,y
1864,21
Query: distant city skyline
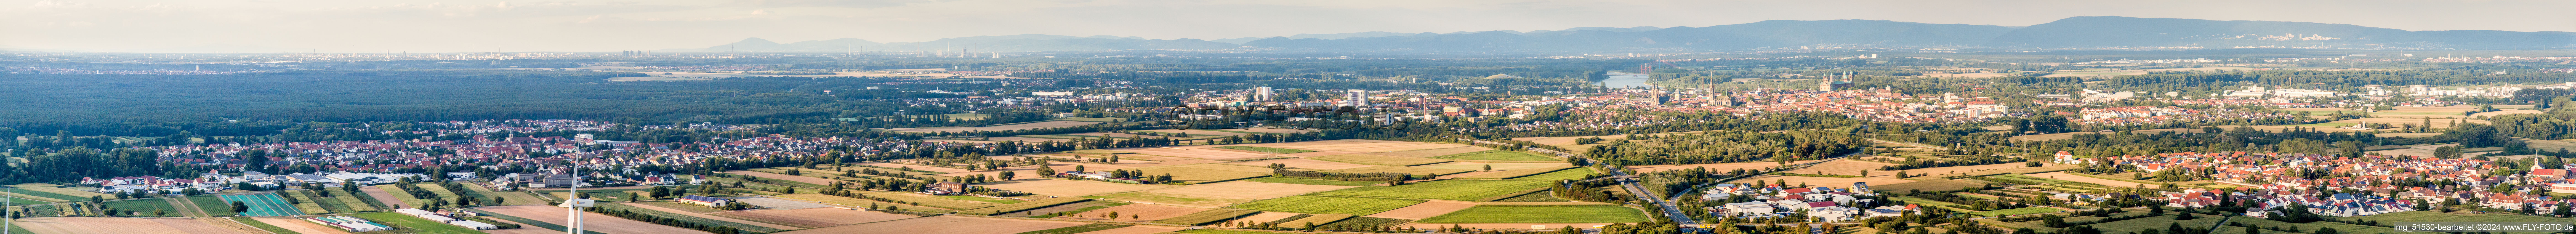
x,y
489,26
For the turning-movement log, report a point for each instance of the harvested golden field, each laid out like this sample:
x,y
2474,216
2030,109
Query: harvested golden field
x,y
814,217
948,224
1135,213
1433,152
806,179
104,225
1374,146
1843,167
1207,172
1025,126
1424,210
1069,188
300,226
1303,163
1215,195
1198,152
2505,112
594,221
1246,190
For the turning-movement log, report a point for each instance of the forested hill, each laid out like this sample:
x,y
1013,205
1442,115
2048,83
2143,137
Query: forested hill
x,y
2070,33
46,102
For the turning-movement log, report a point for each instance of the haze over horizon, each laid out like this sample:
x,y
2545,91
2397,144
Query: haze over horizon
x,y
487,26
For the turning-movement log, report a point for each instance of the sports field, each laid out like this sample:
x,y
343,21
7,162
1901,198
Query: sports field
x,y
1462,190
264,204
1311,204
1542,214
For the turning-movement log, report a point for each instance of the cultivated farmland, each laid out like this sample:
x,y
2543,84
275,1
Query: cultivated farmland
x,y
1207,172
1136,212
1405,170
1433,152
942,224
1424,210
1378,160
103,225
1066,187
1499,155
814,217
1542,214
1462,190
597,222
1312,204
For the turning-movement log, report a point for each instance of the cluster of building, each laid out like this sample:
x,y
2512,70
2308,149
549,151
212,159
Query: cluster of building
x,y
2365,185
211,181
375,161
1833,205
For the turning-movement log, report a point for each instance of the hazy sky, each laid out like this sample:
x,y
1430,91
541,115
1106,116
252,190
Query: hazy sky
x,y
589,25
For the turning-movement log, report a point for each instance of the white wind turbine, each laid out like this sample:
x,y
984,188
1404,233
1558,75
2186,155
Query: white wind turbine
x,y
573,203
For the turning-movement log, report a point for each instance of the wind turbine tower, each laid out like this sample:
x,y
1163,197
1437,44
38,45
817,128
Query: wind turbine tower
x,y
573,204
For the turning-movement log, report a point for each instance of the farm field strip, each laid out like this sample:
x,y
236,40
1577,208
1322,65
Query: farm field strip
x,y
264,204
1461,190
1313,204
1542,214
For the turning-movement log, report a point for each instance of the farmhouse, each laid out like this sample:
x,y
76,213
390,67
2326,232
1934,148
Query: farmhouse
x,y
702,200
945,188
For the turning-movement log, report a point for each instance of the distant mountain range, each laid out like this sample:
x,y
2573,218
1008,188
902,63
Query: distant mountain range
x,y
2089,32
